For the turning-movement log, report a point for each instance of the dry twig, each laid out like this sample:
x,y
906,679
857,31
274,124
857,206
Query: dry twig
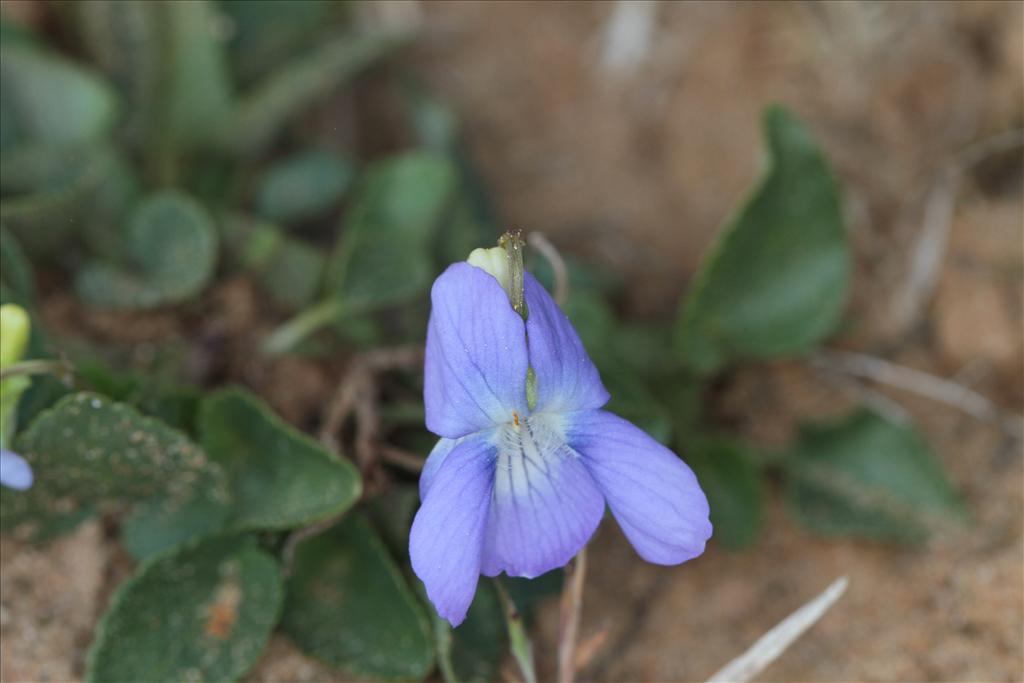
x,y
921,383
776,641
927,254
410,462
357,394
569,625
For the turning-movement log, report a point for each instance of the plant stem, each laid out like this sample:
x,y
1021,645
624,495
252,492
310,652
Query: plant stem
x,y
540,242
519,642
287,336
572,604
62,369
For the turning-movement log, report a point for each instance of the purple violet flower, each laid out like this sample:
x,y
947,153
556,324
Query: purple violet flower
x,y
15,472
514,489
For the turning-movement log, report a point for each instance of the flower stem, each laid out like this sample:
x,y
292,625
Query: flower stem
x,y
287,336
61,368
540,242
572,604
519,642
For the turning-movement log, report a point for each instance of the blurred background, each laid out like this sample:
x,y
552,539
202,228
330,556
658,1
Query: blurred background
x,y
628,133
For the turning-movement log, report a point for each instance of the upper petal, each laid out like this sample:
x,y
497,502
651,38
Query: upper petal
x,y
566,377
15,472
653,494
447,535
545,505
476,359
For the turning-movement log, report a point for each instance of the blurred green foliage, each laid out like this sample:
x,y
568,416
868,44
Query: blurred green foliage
x,y
152,151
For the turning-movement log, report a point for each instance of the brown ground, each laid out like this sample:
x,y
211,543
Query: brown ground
x,y
637,172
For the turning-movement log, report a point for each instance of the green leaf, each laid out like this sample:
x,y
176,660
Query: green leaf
x,y
266,32
46,99
167,61
155,527
196,102
528,594
171,251
866,476
289,270
15,32
300,83
51,191
435,123
16,274
632,399
281,477
304,186
392,514
728,473
593,319
123,38
383,255
777,280
645,347
204,613
89,451
473,652
349,606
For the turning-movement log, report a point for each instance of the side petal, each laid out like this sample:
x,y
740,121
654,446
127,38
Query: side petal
x,y
476,359
567,379
653,494
446,540
15,472
439,454
545,505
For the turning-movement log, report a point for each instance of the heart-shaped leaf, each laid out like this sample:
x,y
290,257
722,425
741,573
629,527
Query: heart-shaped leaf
x,y
87,451
171,250
167,59
349,606
383,254
281,477
289,270
776,281
869,477
52,191
16,277
204,613
267,32
49,100
304,186
298,83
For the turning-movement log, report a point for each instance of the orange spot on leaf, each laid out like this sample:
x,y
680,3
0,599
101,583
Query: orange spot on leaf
x,y
224,611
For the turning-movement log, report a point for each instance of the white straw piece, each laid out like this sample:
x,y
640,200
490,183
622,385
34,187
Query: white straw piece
x,y
776,641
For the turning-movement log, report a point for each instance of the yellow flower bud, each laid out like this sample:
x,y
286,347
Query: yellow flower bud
x,y
15,326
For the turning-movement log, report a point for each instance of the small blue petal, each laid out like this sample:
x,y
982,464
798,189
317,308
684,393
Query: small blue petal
x,y
653,494
434,461
476,358
447,536
567,380
440,453
15,472
545,506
